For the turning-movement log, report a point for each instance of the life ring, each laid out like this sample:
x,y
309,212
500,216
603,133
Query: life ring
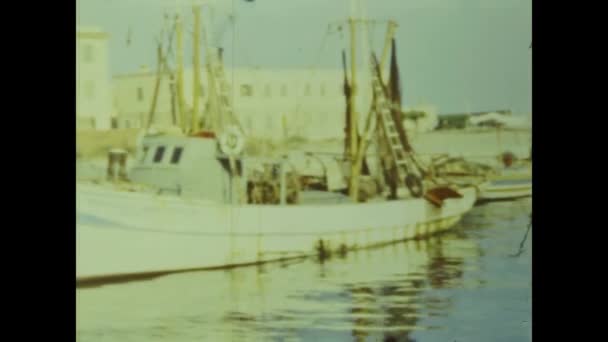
x,y
232,142
414,185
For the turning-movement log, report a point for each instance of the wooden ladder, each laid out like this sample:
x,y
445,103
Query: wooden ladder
x,y
400,156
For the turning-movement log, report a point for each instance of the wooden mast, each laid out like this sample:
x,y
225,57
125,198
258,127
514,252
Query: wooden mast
x,y
197,67
354,125
180,72
212,115
390,33
358,152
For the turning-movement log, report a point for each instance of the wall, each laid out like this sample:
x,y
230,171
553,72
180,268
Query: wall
x,y
269,102
93,93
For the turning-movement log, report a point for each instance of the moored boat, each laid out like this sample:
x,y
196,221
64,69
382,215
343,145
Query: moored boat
x,y
194,200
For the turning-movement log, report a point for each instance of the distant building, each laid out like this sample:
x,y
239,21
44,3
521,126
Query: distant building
x,y
93,93
461,120
310,103
268,102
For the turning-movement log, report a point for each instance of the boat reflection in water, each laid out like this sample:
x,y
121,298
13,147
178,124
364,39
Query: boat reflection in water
x,y
393,308
401,292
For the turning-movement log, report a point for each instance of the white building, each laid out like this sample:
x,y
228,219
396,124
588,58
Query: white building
x,y
93,92
268,102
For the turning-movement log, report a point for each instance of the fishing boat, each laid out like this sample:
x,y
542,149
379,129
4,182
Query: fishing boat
x,y
500,176
510,183
512,178
196,201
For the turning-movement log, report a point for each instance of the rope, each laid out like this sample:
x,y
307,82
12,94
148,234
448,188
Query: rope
x,y
521,244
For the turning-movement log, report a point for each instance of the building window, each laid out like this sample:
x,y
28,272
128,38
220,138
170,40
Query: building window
x,y
140,94
89,90
246,90
88,53
284,90
307,90
322,89
267,90
177,154
323,118
158,156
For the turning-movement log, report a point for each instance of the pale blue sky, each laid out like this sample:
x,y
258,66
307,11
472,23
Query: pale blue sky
x,y
460,55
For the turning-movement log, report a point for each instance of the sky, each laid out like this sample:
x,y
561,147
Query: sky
x,y
458,55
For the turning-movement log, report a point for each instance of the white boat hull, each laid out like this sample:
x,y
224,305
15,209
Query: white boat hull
x,y
505,189
120,234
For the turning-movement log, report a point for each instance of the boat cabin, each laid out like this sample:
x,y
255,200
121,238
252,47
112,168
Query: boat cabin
x,y
185,166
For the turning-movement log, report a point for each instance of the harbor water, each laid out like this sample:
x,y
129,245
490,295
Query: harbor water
x,y
473,283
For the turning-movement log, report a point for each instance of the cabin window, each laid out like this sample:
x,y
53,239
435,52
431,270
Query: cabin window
x,y
177,154
158,156
140,94
246,90
284,90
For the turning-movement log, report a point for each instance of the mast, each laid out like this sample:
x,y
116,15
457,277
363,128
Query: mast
x,y
358,146
197,67
180,72
159,71
353,134
347,96
212,115
390,33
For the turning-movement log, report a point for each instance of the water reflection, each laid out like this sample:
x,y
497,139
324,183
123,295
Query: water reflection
x,y
404,292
